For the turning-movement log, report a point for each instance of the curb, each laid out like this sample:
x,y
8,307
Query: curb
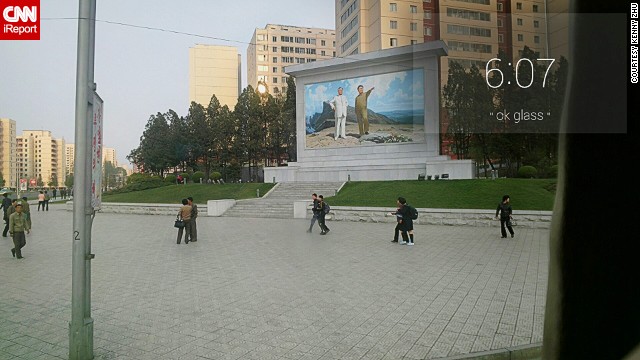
x,y
522,352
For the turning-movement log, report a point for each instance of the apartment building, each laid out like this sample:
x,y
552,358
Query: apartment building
x,y
274,47
70,155
214,70
8,167
41,156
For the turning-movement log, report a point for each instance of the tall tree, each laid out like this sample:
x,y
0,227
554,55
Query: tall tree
x,y
247,112
289,119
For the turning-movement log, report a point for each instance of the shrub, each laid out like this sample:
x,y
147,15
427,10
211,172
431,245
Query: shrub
x,y
148,182
527,172
185,177
553,171
137,177
215,176
197,176
170,179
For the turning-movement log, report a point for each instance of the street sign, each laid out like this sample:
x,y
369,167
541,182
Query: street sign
x,y
96,153
23,184
33,183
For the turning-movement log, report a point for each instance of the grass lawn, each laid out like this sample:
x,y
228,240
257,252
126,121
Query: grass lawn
x,y
173,194
526,194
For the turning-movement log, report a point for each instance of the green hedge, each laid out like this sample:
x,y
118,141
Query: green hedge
x,y
527,172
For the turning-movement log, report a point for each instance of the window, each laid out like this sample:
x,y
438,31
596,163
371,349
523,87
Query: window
x,y
261,37
393,24
427,14
262,57
468,14
414,26
414,9
536,23
535,8
300,40
519,22
275,80
284,81
499,22
311,41
536,39
520,37
311,51
393,42
274,39
275,69
500,38
334,54
275,49
427,31
323,43
323,53
499,6
275,59
519,6
393,7
263,68
352,40
276,90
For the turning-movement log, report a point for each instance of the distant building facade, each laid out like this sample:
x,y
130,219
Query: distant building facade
x,y
8,155
214,69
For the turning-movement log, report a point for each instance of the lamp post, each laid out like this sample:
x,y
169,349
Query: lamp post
x,y
263,90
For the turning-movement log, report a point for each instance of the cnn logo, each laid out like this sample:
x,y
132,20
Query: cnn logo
x,y
20,20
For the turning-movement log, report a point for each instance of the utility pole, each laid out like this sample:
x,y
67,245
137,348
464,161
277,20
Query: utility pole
x,y
81,325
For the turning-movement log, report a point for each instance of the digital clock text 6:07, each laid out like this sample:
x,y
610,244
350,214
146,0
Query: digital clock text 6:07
x,y
524,86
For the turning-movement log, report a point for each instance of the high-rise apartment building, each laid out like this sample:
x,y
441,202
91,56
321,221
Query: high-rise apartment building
x,y
214,70
474,30
109,154
70,155
277,46
40,156
370,25
558,25
8,167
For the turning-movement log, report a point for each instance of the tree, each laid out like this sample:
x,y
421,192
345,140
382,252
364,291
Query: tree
x,y
154,154
247,113
198,135
68,182
289,120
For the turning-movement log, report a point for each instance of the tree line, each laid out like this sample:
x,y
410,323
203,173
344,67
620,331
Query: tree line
x,y
511,125
260,130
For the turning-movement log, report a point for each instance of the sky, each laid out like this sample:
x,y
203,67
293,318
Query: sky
x,y
402,90
138,72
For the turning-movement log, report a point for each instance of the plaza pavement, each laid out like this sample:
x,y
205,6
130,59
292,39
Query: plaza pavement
x,y
266,289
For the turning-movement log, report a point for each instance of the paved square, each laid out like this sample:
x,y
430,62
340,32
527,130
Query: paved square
x,y
266,289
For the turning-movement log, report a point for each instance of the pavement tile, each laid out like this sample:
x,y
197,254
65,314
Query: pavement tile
x,y
243,292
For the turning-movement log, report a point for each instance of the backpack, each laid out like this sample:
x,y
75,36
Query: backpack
x,y
413,212
327,208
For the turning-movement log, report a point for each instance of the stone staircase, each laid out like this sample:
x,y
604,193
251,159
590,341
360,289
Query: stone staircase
x,y
279,202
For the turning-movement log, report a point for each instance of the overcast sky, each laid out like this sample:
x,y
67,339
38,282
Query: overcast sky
x,y
139,72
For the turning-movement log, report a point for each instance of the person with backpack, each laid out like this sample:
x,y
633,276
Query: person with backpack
x,y
323,210
315,211
409,213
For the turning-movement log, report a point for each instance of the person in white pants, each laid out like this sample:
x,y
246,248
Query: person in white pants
x,y
339,105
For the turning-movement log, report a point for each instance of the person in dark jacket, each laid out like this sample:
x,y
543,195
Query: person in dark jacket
x,y
321,214
406,221
505,210
194,216
6,203
314,210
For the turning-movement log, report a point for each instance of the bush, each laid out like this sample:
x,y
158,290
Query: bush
x,y
527,172
197,176
553,171
215,176
185,177
170,179
137,177
148,182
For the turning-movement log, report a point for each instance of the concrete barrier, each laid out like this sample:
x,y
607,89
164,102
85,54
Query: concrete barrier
x,y
219,207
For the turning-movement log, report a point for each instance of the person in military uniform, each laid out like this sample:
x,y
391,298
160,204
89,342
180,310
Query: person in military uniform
x,y
194,216
361,110
26,210
18,225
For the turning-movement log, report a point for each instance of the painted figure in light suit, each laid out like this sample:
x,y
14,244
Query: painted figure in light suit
x,y
339,105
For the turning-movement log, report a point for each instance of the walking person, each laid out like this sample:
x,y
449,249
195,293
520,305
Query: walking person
x,y
26,210
55,192
194,216
47,197
41,200
396,231
184,214
7,213
322,212
6,203
406,211
505,211
314,210
17,227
